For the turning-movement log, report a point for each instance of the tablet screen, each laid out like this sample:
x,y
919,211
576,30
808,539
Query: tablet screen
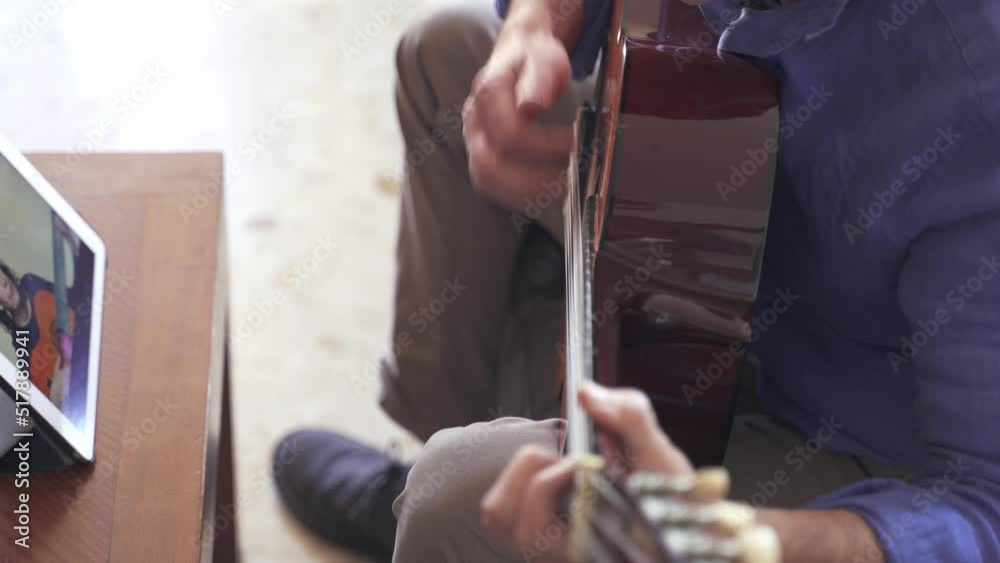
x,y
47,302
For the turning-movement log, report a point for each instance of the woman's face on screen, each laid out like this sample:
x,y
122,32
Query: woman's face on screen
x,y
10,298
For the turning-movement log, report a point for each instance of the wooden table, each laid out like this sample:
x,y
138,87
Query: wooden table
x,y
161,489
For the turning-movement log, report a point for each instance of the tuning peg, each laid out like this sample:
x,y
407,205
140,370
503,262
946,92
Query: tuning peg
x,y
706,485
732,516
760,545
590,462
665,512
659,484
710,484
690,543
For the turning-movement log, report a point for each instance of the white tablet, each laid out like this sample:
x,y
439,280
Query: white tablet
x,y
52,267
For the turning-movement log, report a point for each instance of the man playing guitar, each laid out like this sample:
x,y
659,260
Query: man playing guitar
x,y
869,436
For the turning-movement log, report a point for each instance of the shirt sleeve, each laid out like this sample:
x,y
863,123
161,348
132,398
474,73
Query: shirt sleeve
x,y
595,29
949,291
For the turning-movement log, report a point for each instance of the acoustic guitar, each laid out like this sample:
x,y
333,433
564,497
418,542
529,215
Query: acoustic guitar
x,y
665,230
653,518
666,214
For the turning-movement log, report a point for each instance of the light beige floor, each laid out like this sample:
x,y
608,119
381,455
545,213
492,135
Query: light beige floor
x,y
215,73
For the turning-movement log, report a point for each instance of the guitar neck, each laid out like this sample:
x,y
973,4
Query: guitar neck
x,y
579,290
59,279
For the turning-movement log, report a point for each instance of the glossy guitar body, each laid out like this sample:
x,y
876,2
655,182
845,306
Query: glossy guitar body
x,y
675,170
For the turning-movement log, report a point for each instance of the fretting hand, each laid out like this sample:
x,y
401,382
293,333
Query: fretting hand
x,y
525,498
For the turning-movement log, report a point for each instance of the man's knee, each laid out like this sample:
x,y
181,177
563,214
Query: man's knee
x,y
446,477
448,45
456,469
458,28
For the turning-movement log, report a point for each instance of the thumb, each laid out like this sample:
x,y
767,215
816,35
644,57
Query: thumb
x,y
544,76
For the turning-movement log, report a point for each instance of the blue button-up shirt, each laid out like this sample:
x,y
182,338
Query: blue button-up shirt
x,y
886,225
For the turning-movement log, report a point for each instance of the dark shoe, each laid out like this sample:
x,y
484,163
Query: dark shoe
x,y
340,489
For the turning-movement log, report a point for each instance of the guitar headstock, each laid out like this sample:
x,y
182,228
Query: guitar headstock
x,y
653,518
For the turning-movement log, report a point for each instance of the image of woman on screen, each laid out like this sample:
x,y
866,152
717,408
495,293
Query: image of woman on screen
x,y
28,303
